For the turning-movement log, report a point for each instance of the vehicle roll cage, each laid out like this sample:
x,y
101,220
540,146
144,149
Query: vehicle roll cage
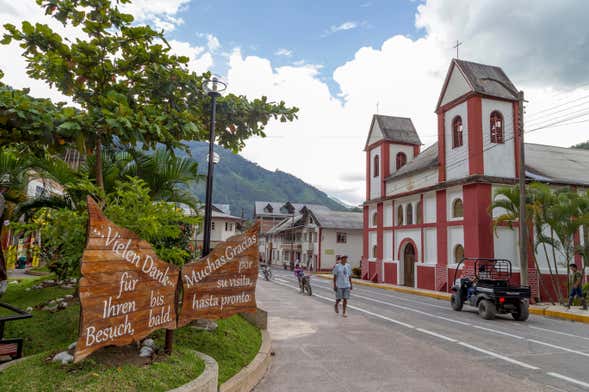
x,y
500,269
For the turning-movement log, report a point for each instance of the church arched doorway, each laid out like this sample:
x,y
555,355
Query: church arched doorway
x,y
409,265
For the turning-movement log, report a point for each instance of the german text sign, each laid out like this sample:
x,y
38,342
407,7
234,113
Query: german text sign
x,y
126,292
224,282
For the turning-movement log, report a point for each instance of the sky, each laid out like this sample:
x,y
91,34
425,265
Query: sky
x,y
340,62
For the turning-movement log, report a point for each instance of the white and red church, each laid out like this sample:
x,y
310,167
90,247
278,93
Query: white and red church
x,y
427,209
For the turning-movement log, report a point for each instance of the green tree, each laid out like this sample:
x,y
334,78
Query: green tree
x,y
168,176
130,88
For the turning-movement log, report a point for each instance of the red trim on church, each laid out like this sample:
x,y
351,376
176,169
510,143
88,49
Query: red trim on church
x,y
442,228
441,148
475,136
478,238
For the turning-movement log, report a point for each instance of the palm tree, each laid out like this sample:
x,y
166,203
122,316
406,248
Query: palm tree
x,y
507,199
14,168
167,175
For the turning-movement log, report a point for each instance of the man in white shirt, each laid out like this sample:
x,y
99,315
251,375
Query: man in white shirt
x,y
342,283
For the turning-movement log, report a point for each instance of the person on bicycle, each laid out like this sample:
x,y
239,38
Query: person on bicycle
x,y
299,272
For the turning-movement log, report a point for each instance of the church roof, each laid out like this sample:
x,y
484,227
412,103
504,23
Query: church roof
x,y
543,163
395,129
427,159
483,79
557,164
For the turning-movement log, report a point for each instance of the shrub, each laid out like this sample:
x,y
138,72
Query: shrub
x,y
160,223
63,240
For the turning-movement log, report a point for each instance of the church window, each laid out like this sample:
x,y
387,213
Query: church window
x,y
419,212
375,219
409,214
457,140
458,253
400,216
497,135
401,160
457,209
374,251
376,165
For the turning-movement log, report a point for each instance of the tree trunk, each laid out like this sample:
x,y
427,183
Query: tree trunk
x,y
552,279
560,300
98,163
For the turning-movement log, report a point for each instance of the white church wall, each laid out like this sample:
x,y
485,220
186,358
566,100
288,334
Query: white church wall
x,y
402,234
456,158
375,134
405,202
506,245
371,243
412,182
371,211
430,246
394,149
498,211
455,237
429,207
451,195
541,255
499,159
388,214
387,245
457,87
375,181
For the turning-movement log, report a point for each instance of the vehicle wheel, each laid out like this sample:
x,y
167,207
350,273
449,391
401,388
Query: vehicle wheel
x,y
522,313
487,309
309,290
456,302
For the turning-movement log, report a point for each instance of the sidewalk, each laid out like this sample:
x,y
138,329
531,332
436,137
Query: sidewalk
x,y
542,309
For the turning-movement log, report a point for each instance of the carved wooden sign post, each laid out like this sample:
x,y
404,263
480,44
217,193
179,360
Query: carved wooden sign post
x,y
126,292
224,282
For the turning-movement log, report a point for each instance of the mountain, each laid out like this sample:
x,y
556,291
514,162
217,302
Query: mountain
x,y
239,182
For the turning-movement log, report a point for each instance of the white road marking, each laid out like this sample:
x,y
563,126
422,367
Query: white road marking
x,y
558,332
437,335
282,280
470,346
559,347
499,356
498,332
569,379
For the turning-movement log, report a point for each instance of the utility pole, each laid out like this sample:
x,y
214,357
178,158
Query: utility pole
x,y
523,227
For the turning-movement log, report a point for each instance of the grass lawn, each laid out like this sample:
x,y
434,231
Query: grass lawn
x,y
234,344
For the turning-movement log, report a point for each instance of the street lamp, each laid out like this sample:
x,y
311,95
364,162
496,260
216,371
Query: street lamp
x,y
213,88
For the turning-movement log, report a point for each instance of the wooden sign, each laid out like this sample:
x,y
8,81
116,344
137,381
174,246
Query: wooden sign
x,y
126,292
224,282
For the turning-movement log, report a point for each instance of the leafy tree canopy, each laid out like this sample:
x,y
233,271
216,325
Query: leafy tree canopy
x,y
129,85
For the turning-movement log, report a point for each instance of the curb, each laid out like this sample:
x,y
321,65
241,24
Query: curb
x,y
537,310
207,381
252,374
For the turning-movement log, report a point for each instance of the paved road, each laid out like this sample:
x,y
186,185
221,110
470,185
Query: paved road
x,y
400,342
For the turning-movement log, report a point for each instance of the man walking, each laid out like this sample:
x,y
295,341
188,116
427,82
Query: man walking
x,y
575,285
342,283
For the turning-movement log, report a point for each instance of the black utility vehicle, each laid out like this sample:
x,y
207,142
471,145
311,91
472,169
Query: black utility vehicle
x,y
485,285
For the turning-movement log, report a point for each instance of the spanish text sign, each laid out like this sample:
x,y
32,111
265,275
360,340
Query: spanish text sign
x,y
224,282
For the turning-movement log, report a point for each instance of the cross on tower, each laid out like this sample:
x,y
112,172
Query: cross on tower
x,y
458,43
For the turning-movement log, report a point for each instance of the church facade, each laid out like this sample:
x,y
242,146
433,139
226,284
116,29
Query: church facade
x,y
425,210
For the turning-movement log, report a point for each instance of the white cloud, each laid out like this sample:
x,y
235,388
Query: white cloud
x,y
160,13
213,42
283,52
200,61
343,27
404,75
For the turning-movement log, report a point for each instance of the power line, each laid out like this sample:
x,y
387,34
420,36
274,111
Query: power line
x,y
559,111
550,108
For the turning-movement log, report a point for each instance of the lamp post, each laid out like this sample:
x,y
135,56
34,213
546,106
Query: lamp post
x,y
213,88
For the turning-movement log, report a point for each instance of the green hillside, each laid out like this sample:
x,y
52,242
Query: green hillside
x,y
239,182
